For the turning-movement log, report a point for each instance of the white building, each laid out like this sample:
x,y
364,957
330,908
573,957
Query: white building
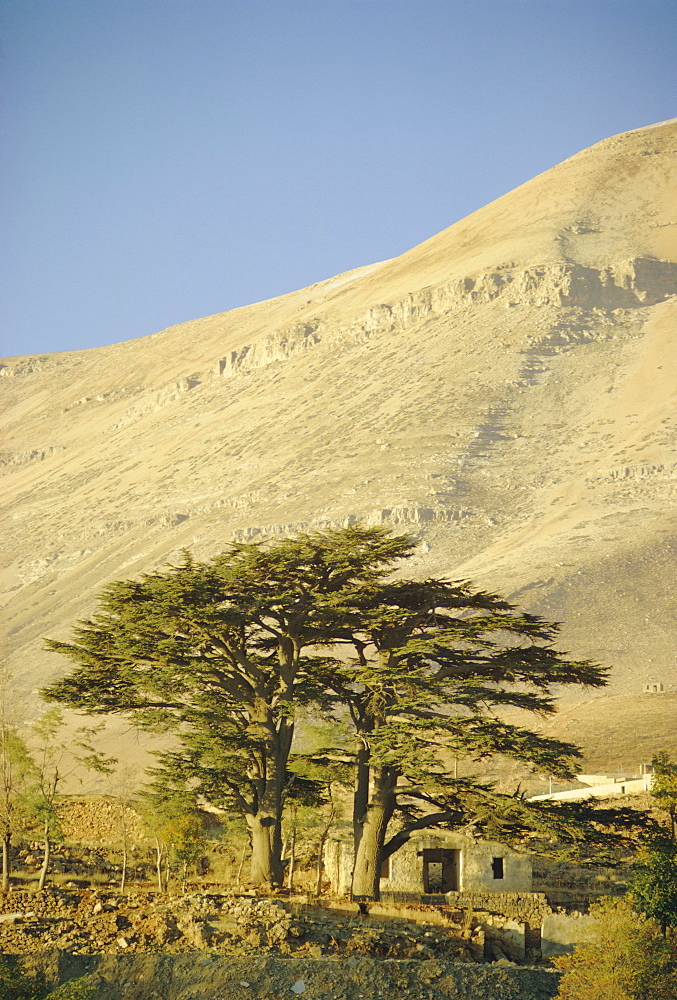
x,y
434,864
600,786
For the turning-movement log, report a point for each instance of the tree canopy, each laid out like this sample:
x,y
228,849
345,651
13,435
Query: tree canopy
x,y
664,788
219,653
653,887
435,665
223,654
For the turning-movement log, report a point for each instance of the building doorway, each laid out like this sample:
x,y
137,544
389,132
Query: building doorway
x,y
441,870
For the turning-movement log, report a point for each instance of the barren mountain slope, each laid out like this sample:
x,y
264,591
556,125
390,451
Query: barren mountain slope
x,y
506,391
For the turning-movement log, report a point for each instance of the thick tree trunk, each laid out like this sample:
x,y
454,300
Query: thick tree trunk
x,y
292,860
263,868
361,792
320,850
265,822
276,791
6,861
373,828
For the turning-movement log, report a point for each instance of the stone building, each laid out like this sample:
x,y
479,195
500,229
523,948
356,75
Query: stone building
x,y
436,864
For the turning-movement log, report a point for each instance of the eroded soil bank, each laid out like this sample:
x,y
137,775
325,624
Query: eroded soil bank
x,y
263,977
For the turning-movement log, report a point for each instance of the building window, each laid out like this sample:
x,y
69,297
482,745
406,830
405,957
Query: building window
x,y
497,867
385,867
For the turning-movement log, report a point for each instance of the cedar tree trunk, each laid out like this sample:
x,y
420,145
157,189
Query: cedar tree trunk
x,y
264,870
372,833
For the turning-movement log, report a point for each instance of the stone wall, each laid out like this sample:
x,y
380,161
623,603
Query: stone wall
x,y
528,907
561,931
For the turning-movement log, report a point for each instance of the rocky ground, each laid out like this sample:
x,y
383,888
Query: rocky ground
x,y
92,922
204,946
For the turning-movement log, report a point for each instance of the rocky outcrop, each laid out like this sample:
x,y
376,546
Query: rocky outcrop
x,y
582,291
666,470
382,515
33,455
641,281
158,400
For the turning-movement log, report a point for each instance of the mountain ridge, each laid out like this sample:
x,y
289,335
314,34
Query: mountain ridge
x,y
505,390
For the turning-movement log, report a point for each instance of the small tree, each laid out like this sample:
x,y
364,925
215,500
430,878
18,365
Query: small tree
x,y
174,820
653,885
188,842
122,788
654,879
626,959
54,761
16,772
664,788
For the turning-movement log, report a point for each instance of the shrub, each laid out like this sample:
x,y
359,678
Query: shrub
x,y
17,984
627,959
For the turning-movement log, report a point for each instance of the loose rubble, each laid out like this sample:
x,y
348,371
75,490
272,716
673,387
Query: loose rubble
x,y
91,922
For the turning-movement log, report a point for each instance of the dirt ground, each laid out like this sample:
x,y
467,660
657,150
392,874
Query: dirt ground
x,y
265,977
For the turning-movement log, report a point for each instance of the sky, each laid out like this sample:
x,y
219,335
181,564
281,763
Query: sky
x,y
162,160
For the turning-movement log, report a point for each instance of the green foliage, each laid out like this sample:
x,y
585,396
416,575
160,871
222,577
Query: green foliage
x,y
217,653
56,757
83,988
627,959
17,773
225,654
17,984
664,788
654,878
654,881
173,818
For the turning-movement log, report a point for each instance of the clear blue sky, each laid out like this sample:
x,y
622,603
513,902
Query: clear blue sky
x,y
167,159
